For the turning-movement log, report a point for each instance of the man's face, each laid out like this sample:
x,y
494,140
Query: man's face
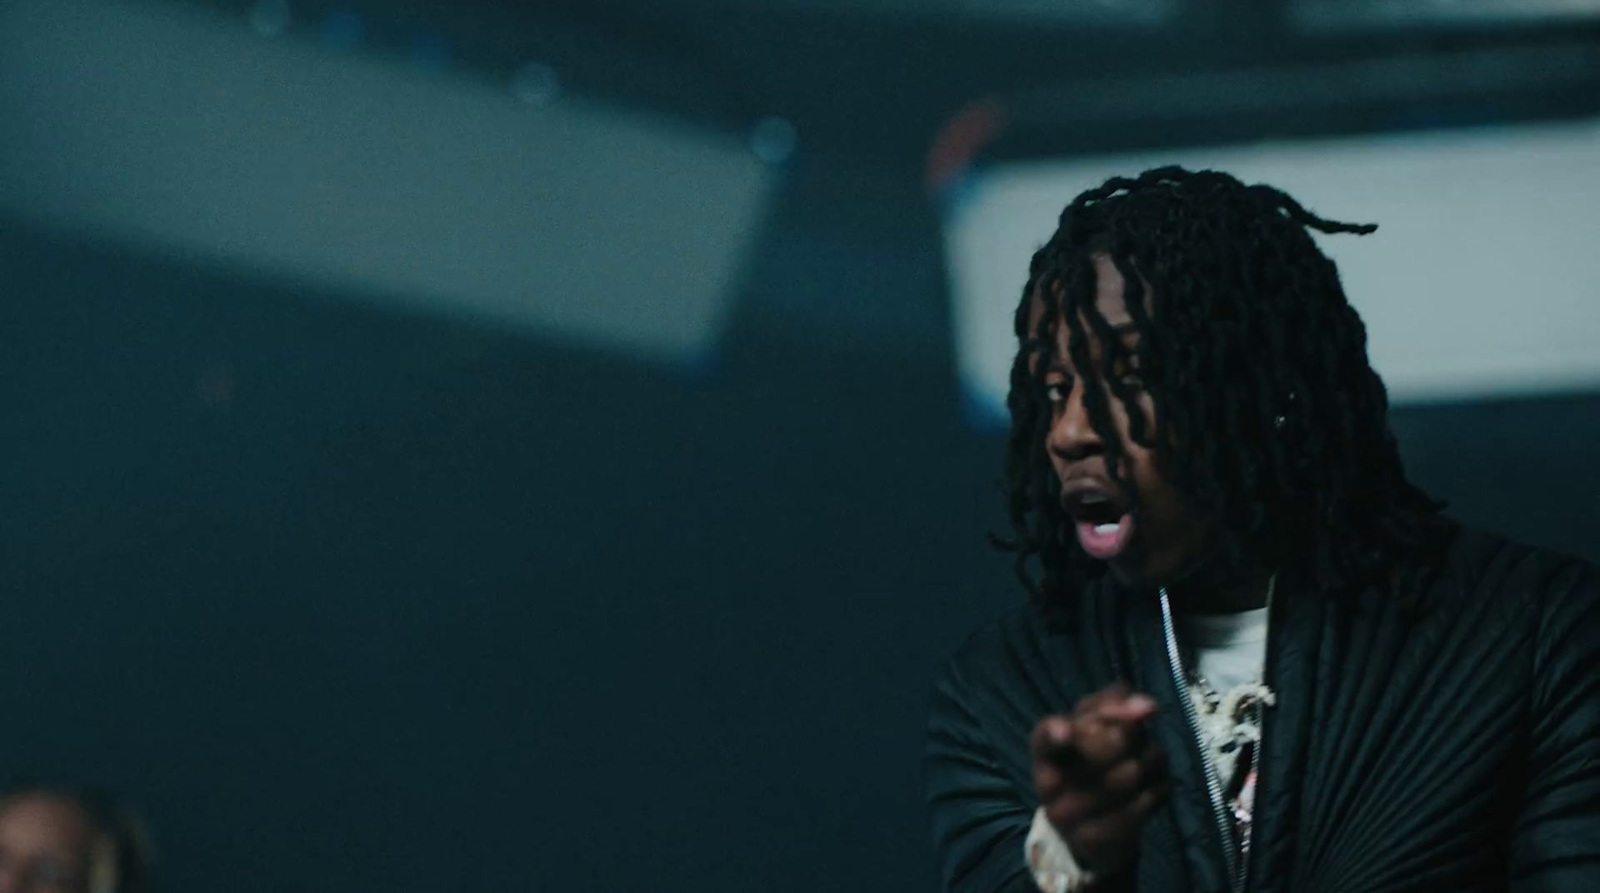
x,y
1165,538
44,845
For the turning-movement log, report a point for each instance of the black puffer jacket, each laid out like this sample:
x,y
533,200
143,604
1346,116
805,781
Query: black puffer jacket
x,y
1458,749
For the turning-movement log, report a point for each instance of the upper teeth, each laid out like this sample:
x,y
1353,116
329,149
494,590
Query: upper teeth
x,y
1107,528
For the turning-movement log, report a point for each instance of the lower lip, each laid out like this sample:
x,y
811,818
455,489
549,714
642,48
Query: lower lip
x,y
1105,541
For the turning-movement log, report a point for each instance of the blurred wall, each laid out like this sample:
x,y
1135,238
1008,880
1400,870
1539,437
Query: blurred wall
x,y
359,602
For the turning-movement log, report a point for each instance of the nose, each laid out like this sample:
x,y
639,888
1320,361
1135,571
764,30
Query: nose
x,y
1072,437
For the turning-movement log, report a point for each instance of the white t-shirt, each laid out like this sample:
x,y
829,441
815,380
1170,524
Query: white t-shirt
x,y
1229,649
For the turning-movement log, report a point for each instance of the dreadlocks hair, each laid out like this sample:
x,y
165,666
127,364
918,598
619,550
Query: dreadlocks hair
x,y
1256,364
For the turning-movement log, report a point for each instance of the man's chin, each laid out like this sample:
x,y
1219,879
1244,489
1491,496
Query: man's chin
x,y
1177,562
1133,570
1130,574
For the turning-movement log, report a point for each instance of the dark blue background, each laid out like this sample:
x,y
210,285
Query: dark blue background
x,y
354,601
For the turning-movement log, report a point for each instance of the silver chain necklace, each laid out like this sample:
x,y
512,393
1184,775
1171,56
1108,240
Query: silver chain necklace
x,y
1250,699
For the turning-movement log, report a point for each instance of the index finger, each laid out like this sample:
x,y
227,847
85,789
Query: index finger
x,y
1051,736
1133,708
1111,728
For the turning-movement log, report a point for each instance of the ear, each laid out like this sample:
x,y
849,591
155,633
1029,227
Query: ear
x,y
1288,425
1286,410
1290,416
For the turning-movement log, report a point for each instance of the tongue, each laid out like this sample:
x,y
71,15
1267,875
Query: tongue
x,y
1105,541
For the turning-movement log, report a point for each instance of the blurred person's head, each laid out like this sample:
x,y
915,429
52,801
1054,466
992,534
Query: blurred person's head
x,y
62,840
1192,394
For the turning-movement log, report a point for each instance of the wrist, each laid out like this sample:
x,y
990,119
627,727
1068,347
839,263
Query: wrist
x,y
1050,859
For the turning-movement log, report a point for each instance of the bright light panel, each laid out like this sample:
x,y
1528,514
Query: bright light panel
x,y
1483,279
1337,14
185,132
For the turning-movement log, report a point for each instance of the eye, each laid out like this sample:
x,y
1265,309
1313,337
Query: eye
x,y
1056,392
1132,378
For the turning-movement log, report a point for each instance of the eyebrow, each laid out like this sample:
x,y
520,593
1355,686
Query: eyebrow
x,y
1121,330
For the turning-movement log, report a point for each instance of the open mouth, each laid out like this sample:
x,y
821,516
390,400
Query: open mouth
x,y
1104,525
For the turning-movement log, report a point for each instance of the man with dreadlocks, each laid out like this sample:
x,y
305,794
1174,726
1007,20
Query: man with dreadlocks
x,y
1256,655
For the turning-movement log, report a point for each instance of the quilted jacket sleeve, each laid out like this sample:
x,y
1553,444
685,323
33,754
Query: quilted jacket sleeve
x,y
1556,848
980,817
